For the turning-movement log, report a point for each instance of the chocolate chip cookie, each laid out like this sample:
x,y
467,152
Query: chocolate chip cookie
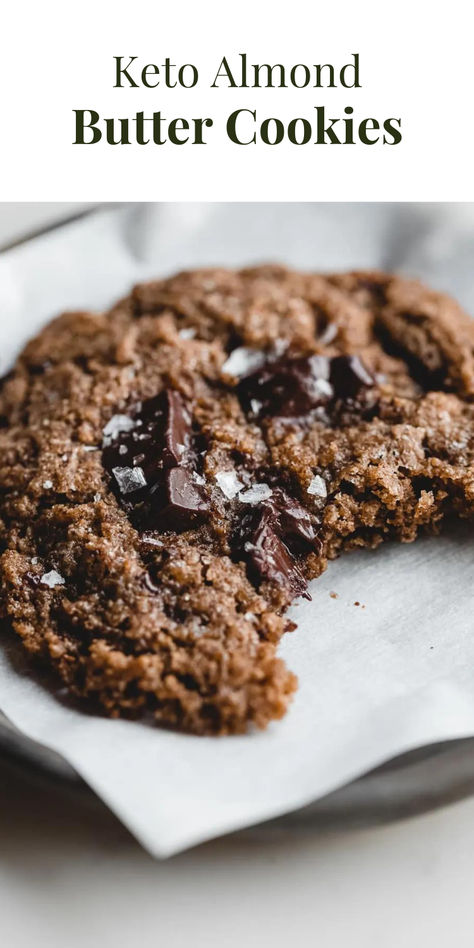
x,y
175,470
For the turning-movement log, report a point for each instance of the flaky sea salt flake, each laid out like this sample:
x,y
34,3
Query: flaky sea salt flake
x,y
243,361
129,479
151,540
317,487
255,494
52,579
324,387
229,483
117,425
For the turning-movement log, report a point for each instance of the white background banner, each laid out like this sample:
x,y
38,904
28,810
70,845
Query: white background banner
x,y
415,65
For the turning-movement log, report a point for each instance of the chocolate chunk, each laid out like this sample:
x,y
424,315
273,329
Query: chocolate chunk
x,y
293,522
270,559
156,435
185,502
291,388
177,429
150,454
349,376
39,368
129,480
270,533
287,387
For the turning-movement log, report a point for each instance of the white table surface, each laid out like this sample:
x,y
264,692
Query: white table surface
x,y
70,875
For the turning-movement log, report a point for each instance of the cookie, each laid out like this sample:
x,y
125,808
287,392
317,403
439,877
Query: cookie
x,y
174,471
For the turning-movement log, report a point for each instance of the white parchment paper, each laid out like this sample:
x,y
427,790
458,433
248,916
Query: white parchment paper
x,y
376,679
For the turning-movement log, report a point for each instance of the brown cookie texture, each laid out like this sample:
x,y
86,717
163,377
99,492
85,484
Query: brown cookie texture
x,y
174,471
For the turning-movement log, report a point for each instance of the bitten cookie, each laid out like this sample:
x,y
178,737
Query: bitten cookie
x,y
174,471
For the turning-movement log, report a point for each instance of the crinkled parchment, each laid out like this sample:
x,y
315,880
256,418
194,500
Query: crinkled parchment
x,y
376,679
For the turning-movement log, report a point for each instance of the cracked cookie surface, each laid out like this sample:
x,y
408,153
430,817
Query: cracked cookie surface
x,y
174,471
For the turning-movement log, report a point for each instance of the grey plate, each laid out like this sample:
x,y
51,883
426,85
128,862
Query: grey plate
x,y
410,784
